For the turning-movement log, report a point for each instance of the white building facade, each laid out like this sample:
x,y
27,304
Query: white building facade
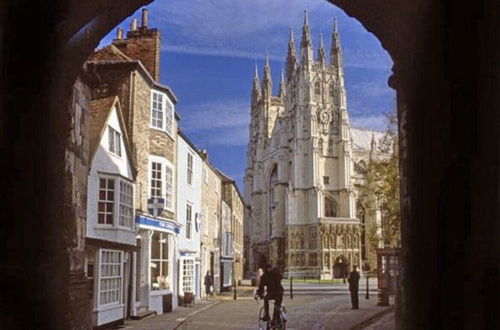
x,y
111,230
189,215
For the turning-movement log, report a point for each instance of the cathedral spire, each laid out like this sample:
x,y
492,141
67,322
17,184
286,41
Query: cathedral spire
x,y
373,146
291,57
306,43
282,86
321,51
267,88
255,86
336,50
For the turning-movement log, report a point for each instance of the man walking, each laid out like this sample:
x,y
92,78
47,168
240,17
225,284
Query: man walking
x,y
353,280
208,283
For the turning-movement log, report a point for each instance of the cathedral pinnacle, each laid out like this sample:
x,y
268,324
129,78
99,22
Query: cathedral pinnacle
x,y
291,57
256,86
336,50
267,88
321,51
306,33
282,86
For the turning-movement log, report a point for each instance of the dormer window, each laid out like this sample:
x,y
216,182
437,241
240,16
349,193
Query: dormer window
x,y
114,139
162,112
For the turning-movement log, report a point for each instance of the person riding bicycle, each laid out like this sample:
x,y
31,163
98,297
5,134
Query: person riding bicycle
x,y
271,280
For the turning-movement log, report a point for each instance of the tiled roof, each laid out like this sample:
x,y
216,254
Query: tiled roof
x,y
109,53
99,113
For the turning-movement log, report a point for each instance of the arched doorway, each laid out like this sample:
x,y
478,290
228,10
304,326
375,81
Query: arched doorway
x,y
340,267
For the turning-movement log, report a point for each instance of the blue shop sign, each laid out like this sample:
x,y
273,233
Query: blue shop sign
x,y
143,220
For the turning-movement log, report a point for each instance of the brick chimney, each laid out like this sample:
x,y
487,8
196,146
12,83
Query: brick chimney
x,y
143,44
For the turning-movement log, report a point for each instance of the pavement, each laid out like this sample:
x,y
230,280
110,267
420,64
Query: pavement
x,y
313,307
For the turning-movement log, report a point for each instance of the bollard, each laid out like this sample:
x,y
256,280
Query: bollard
x,y
234,292
291,287
367,288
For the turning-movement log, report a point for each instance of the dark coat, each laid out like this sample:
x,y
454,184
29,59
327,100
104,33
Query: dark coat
x,y
353,280
208,280
272,281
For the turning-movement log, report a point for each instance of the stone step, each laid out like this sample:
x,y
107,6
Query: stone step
x,y
143,314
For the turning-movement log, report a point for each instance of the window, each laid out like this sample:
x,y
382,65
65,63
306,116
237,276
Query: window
x,y
169,184
162,112
317,90
156,186
205,175
106,201
331,92
326,180
330,207
157,108
114,141
110,277
187,268
228,244
189,220
320,147
330,147
126,205
189,169
159,261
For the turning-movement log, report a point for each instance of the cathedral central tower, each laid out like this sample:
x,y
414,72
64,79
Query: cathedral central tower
x,y
300,206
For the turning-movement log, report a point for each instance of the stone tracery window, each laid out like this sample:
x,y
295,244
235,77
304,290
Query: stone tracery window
x,y
330,207
317,90
331,92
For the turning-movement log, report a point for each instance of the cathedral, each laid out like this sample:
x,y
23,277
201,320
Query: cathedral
x,y
301,202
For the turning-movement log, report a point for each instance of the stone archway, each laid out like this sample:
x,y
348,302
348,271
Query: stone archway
x,y
449,146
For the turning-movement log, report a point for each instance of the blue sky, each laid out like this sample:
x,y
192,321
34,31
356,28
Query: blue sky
x,y
209,50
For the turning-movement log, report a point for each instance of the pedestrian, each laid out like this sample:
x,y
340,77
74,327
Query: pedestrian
x,y
208,283
353,280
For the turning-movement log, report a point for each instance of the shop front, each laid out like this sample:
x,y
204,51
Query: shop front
x,y
157,285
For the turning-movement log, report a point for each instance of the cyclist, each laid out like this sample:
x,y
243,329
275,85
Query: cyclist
x,y
271,280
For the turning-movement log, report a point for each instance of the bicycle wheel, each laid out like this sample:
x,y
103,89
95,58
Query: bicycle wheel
x,y
263,325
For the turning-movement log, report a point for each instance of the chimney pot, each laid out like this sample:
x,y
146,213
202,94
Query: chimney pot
x,y
119,34
145,18
133,25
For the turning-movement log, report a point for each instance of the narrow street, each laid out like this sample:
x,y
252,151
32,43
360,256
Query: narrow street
x,y
314,306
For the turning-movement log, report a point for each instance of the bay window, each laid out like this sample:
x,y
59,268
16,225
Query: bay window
x,y
114,190
106,202
161,180
162,112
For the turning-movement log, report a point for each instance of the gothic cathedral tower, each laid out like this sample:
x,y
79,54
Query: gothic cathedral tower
x,y
300,206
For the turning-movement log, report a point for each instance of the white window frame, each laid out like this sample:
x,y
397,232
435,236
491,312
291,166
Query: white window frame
x,y
117,201
186,269
189,221
114,141
106,201
116,279
167,180
205,174
166,113
189,168
164,239
123,205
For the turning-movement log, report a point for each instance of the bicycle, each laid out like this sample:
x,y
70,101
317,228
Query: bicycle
x,y
279,324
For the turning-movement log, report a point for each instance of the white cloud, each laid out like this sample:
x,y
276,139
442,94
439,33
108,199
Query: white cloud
x,y
374,122
243,28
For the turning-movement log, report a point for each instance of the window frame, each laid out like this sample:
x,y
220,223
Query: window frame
x,y
106,201
189,221
167,180
164,240
121,205
187,272
114,141
189,168
118,288
166,113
